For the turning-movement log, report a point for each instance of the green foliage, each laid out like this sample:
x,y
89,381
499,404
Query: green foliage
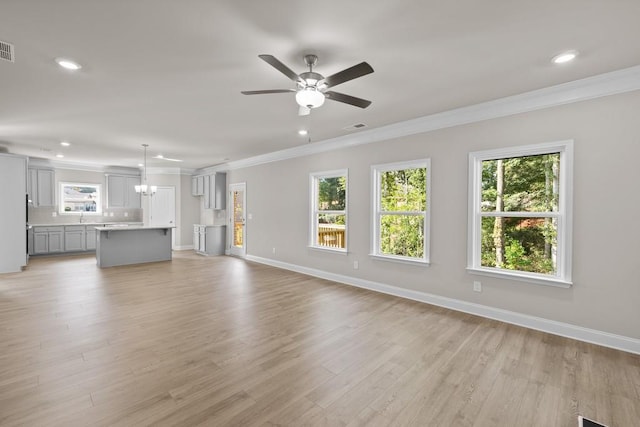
x,y
530,185
332,193
402,235
403,191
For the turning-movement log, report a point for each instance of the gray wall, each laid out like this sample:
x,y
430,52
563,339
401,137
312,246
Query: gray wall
x,y
606,291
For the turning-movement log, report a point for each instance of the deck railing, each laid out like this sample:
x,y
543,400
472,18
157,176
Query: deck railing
x,y
331,235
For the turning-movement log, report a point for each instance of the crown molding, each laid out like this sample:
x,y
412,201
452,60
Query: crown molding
x,y
54,164
612,83
169,171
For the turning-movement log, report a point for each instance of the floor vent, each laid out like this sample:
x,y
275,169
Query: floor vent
x,y
7,52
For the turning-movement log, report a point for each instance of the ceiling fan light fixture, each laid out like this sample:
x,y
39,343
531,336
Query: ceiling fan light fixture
x,y
310,97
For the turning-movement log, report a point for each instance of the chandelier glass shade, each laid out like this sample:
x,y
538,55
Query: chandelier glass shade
x,y
144,188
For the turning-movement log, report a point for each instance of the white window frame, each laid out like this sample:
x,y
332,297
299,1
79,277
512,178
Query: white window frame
x,y
61,199
376,172
562,278
314,179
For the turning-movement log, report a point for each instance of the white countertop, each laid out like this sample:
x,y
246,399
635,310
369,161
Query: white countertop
x,y
130,224
133,227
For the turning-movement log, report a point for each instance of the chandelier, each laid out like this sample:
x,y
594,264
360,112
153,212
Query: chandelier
x,y
144,188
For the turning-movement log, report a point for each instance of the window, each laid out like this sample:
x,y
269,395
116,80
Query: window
x,y
76,198
401,211
329,210
520,212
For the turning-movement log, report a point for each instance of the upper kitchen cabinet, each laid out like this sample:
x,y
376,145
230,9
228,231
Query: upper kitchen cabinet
x,y
197,185
121,191
213,187
41,187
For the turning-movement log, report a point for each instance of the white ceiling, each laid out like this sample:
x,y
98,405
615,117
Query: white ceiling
x,y
169,73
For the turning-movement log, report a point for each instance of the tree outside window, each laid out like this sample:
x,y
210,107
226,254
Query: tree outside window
x,y
329,210
520,211
401,211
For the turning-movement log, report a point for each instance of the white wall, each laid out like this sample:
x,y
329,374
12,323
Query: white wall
x,y
606,291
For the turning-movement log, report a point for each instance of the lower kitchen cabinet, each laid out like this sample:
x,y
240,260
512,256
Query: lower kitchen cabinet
x,y
90,239
209,239
63,238
47,240
74,238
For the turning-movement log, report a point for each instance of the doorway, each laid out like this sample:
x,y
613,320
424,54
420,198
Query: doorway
x,y
163,210
237,219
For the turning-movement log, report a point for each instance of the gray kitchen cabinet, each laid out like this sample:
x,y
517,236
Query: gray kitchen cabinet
x,y
90,238
132,199
74,238
209,239
41,187
121,191
214,190
48,240
197,185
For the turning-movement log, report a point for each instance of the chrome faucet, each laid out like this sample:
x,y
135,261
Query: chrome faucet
x,y
81,216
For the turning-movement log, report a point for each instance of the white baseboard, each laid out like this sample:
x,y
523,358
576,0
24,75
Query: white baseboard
x,y
183,248
593,336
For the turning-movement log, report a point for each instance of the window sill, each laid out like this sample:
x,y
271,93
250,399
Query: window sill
x,y
400,260
521,277
331,250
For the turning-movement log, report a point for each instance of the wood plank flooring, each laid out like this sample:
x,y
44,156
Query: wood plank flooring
x,y
220,341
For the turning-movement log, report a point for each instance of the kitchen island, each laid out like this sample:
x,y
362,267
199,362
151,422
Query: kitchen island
x,y
125,245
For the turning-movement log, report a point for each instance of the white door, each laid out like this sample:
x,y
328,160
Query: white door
x,y
237,219
163,209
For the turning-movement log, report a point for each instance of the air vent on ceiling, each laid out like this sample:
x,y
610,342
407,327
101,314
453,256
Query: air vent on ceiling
x,y
356,126
7,51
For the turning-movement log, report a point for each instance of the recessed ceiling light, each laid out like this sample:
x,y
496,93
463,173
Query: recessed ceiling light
x,y
59,156
565,57
68,64
302,132
65,144
140,165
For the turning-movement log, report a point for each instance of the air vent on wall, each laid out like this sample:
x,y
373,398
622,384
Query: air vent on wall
x,y
7,51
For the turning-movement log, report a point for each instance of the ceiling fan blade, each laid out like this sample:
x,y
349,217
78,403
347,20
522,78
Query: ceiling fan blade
x,y
347,99
304,111
275,63
262,92
362,69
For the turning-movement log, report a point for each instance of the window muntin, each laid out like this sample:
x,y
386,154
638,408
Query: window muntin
x,y
80,198
329,210
401,214
520,212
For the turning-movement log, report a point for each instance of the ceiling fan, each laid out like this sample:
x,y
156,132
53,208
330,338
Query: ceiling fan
x,y
311,87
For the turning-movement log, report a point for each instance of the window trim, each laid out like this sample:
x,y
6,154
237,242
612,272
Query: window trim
x,y
376,171
314,177
564,215
61,200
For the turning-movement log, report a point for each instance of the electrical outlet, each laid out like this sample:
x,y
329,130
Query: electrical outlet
x,y
110,213
477,286
274,250
54,214
355,265
126,214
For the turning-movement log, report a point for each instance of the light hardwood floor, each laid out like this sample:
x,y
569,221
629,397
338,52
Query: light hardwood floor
x,y
220,341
